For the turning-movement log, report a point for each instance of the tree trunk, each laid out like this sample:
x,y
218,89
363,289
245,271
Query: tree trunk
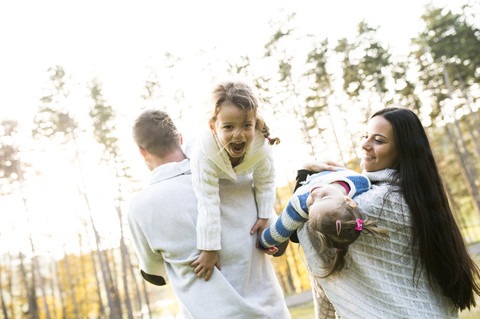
x,y
467,173
101,310
112,277
30,291
137,289
10,283
462,150
36,269
2,300
60,290
70,284
114,314
52,286
466,96
123,248
35,266
83,310
103,268
335,134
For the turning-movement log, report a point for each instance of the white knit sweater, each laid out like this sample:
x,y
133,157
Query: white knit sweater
x,y
379,280
209,164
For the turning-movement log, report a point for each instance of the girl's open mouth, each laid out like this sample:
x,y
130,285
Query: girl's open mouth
x,y
237,148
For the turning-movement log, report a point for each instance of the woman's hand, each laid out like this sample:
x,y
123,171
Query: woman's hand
x,y
319,166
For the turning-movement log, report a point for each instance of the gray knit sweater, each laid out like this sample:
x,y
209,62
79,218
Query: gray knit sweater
x,y
378,282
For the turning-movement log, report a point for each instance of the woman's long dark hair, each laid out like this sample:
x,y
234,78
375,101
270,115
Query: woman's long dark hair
x,y
437,243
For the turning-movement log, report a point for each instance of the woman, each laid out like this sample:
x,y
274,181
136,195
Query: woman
x,y
424,269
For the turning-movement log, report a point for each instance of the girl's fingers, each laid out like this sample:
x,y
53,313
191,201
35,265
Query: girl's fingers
x,y
208,275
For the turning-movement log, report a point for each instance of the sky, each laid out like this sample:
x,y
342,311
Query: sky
x,y
117,42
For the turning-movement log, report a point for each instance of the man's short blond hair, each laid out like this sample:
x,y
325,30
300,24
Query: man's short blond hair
x,y
155,132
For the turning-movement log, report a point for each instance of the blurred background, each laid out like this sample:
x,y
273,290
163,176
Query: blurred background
x,y
75,75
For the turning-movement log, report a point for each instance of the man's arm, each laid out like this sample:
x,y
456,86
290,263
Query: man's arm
x,y
153,279
146,256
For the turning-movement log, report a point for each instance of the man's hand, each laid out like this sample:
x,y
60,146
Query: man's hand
x,y
205,264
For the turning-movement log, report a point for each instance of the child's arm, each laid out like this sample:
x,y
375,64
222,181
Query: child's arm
x,y
264,184
206,187
291,218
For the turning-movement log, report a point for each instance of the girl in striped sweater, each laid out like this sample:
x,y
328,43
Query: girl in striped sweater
x,y
325,202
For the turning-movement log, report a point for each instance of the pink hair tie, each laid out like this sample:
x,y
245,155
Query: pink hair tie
x,y
359,224
268,138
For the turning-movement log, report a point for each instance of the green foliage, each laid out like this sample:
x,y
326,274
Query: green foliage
x,y
450,42
103,119
9,152
364,62
451,39
53,118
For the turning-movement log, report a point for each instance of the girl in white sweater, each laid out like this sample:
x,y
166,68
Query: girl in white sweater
x,y
236,145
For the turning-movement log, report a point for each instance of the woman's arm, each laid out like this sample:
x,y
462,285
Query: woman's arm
x,y
302,175
310,168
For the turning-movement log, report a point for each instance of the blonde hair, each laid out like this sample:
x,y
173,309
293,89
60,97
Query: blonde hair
x,y
338,229
242,96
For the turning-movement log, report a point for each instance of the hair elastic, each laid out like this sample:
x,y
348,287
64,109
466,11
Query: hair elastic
x,y
359,224
268,138
339,226
339,249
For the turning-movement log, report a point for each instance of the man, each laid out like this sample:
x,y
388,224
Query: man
x,y
162,221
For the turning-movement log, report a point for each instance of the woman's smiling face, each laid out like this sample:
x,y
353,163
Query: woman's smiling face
x,y
235,129
378,146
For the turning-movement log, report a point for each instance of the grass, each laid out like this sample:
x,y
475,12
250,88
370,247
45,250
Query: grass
x,y
304,311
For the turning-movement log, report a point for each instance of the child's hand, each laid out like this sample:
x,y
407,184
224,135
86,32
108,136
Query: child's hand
x,y
319,166
259,226
205,263
270,251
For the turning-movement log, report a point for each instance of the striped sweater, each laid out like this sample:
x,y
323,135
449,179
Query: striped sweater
x,y
295,213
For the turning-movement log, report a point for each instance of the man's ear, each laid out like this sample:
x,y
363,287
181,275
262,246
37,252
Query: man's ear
x,y
350,202
143,152
181,139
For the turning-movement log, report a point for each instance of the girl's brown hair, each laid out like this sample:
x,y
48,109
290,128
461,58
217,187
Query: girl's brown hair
x,y
338,229
242,96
